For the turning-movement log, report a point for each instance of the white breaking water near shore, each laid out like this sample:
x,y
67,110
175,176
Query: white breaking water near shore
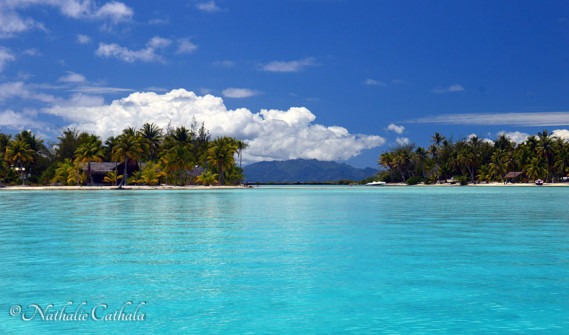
x,y
271,134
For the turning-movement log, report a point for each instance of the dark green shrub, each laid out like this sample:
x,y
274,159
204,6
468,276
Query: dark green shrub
x,y
414,180
463,180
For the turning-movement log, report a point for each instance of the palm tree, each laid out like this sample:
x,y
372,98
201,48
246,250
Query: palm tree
x,y
535,169
240,147
179,160
503,143
437,139
500,163
561,164
68,143
69,173
206,178
88,152
484,174
220,154
421,157
112,178
545,149
151,174
39,150
402,160
19,152
127,146
4,167
152,135
386,161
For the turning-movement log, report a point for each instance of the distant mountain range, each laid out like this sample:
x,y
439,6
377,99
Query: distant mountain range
x,y
303,170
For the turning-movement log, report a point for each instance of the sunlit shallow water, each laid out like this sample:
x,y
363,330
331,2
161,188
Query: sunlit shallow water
x,y
290,260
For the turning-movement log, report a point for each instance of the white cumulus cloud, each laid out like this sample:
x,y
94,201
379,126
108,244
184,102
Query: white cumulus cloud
x,y
402,140
208,6
561,133
83,39
485,140
271,134
373,82
158,42
450,89
72,77
515,136
522,119
5,57
19,89
185,46
239,92
150,53
12,22
291,66
395,128
114,50
115,11
14,120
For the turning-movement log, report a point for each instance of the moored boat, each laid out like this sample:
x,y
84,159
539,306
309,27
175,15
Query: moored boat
x,y
376,183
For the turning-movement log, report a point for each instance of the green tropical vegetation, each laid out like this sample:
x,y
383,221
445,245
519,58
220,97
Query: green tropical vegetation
x,y
474,160
146,156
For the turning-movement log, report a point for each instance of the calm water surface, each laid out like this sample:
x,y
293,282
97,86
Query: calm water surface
x,y
280,260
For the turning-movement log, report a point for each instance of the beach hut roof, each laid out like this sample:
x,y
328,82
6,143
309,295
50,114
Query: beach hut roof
x,y
513,174
101,167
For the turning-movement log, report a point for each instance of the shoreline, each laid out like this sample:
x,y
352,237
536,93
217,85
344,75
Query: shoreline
x,y
115,188
484,185
225,187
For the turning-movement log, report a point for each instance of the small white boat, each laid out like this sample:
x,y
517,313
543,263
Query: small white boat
x,y
376,183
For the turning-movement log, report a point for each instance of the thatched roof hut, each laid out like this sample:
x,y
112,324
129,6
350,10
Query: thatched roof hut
x,y
513,175
101,169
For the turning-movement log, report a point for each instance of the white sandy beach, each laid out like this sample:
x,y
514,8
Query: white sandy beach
x,y
134,187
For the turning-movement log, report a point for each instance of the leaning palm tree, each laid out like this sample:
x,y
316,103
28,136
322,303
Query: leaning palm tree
x,y
88,152
127,146
19,153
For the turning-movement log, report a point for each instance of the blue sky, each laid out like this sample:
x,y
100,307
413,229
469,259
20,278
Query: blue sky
x,y
333,80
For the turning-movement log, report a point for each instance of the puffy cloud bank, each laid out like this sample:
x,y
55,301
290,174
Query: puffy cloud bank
x,y
271,134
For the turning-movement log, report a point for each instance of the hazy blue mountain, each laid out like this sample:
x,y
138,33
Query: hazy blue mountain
x,y
303,170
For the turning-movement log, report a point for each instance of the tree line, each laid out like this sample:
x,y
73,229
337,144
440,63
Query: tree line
x,y
161,156
474,160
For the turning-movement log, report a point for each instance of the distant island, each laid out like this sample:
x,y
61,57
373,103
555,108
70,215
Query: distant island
x,y
474,160
147,156
304,171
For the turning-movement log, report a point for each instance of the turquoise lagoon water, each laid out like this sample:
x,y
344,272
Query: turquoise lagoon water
x,y
288,260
